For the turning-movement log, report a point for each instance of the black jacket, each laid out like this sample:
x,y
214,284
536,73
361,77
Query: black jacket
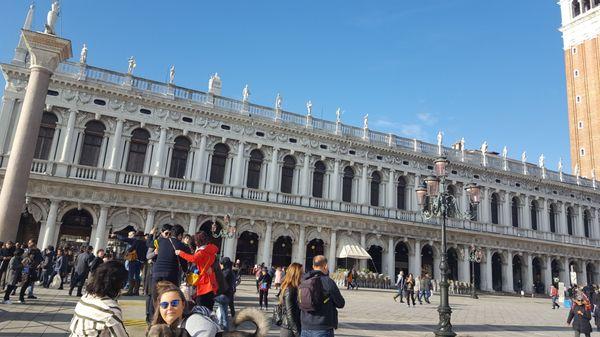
x,y
265,278
291,311
581,322
327,316
82,263
138,244
95,263
168,265
229,277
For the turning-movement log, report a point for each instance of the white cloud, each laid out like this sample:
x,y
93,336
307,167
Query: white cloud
x,y
427,118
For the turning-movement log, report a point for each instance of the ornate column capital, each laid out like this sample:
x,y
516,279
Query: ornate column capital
x,y
46,50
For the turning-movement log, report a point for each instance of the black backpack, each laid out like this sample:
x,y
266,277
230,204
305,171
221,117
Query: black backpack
x,y
310,294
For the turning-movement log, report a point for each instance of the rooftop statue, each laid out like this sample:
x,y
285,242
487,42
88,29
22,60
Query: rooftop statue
x,y
366,121
51,19
560,165
246,94
278,102
504,152
524,157
541,160
83,56
172,75
131,65
484,147
309,107
338,115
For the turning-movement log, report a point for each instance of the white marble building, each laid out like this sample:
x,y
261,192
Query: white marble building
x,y
116,150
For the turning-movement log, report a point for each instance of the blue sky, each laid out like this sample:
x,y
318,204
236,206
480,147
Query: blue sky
x,y
483,70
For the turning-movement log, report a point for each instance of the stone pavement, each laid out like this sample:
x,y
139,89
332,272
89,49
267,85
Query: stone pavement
x,y
368,313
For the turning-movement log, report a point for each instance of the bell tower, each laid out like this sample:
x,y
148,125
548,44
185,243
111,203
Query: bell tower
x,y
581,31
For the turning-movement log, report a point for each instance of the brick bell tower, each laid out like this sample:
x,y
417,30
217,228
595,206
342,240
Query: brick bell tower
x,y
580,31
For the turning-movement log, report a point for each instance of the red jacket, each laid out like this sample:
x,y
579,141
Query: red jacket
x,y
203,258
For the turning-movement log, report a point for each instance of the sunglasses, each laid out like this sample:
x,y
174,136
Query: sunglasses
x,y
174,304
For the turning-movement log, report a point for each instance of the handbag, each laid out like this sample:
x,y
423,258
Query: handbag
x,y
277,318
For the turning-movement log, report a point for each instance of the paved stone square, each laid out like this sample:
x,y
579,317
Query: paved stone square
x,y
367,313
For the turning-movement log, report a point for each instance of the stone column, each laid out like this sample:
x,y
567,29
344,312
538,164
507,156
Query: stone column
x,y
508,284
487,271
526,213
561,220
579,230
507,210
113,163
391,262
364,185
363,244
200,161
266,252
160,152
528,279
274,171
50,228
46,52
413,195
464,274
149,221
305,177
301,250
332,251
101,233
229,243
391,191
484,206
548,275
238,173
582,277
193,224
416,259
66,152
595,231
335,181
8,107
565,275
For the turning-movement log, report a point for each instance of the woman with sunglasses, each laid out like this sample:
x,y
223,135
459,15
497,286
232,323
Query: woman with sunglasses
x,y
170,304
98,313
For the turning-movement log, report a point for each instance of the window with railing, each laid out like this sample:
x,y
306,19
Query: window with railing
x,y
254,168
318,178
534,213
515,202
401,193
570,220
138,146
494,205
586,223
375,184
347,182
92,143
287,174
179,157
552,216
45,136
218,163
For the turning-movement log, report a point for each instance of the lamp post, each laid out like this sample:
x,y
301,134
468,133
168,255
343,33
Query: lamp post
x,y
227,232
435,201
475,255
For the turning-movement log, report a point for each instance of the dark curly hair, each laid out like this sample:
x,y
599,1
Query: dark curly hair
x,y
108,280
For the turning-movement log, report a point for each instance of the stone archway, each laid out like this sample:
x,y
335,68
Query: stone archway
x,y
313,248
427,260
29,228
537,266
75,228
452,264
517,273
282,252
497,271
376,253
247,250
401,258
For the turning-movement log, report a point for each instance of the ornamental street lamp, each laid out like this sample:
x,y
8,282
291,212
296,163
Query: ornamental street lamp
x,y
435,201
475,255
226,232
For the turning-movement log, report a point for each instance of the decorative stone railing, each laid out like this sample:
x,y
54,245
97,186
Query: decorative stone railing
x,y
228,105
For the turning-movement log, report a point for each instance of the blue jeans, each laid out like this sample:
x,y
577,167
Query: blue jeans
x,y
317,333
222,302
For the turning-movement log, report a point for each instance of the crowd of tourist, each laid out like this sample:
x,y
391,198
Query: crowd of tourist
x,y
190,291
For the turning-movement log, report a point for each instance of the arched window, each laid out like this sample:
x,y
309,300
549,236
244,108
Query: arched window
x,y
287,174
401,193
318,177
217,165
494,208
45,136
92,143
552,215
586,223
534,212
586,5
254,166
347,184
375,182
576,9
515,211
179,157
137,150
570,220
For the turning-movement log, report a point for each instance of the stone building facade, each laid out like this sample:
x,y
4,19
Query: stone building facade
x,y
118,152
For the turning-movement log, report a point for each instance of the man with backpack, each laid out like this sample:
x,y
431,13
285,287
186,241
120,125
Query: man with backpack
x,y
318,299
136,257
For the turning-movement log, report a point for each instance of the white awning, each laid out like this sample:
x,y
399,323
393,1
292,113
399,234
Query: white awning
x,y
350,249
